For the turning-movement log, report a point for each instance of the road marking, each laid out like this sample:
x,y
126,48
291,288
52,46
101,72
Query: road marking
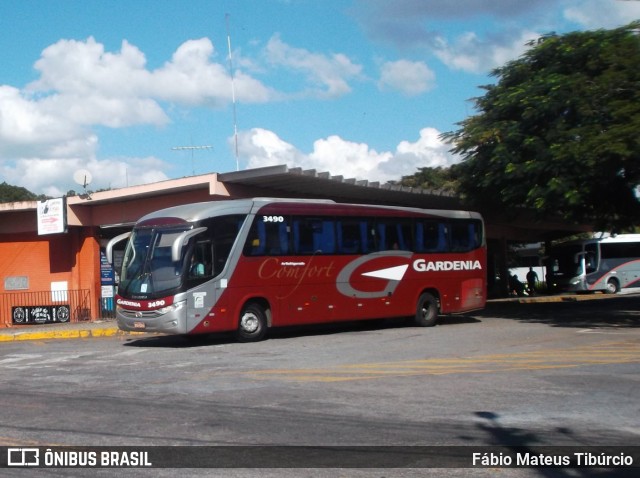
x,y
13,358
600,354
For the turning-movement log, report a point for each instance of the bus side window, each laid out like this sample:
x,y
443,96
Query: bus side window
x,y
591,258
393,235
325,237
460,236
201,260
225,232
267,238
348,238
475,234
432,236
313,236
256,240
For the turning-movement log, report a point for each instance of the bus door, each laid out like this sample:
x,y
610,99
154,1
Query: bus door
x,y
312,297
589,264
205,263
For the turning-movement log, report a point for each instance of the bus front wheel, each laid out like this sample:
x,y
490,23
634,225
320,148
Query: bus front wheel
x,y
426,310
252,326
613,286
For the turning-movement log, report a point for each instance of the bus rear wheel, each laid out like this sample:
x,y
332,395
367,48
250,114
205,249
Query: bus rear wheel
x,y
252,325
613,286
426,310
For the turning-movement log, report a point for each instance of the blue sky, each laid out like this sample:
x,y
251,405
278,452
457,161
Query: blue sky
x,y
359,88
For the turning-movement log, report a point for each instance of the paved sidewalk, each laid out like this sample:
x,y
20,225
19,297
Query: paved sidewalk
x,y
109,327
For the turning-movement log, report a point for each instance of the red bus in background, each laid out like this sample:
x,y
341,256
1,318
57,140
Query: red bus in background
x,y
249,264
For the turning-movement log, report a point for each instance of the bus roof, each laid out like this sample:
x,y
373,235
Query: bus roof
x,y
202,210
603,239
620,238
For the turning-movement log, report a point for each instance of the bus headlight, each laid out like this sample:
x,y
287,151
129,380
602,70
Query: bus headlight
x,y
172,308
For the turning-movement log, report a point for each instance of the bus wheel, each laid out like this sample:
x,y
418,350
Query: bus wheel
x,y
613,286
253,323
426,311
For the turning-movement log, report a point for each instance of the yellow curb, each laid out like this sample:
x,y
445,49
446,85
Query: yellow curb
x,y
65,334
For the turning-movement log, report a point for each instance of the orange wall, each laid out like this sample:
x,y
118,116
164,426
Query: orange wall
x,y
73,257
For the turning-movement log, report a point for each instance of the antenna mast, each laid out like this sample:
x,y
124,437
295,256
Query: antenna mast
x,y
192,149
233,94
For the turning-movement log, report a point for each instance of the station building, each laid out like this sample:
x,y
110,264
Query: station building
x,y
52,262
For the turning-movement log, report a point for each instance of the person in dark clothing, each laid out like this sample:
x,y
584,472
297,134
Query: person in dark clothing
x,y
515,286
532,279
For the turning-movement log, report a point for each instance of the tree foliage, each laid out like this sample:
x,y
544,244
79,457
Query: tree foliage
x,y
438,178
10,193
559,132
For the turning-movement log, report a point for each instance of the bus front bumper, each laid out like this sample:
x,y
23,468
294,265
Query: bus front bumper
x,y
168,320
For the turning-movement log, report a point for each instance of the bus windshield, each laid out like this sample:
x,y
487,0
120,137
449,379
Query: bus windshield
x,y
148,268
567,260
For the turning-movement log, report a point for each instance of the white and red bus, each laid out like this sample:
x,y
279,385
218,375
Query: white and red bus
x,y
607,263
249,264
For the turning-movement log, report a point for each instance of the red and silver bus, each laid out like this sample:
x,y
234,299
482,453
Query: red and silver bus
x,y
249,264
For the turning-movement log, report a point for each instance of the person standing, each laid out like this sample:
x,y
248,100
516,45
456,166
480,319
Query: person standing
x,y
532,279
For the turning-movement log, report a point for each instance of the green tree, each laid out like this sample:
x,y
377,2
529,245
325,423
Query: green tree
x,y
559,132
438,178
10,193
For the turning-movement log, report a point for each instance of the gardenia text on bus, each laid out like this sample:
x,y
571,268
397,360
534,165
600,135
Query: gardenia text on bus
x,y
422,265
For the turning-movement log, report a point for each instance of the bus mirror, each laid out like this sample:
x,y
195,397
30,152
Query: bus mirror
x,y
113,242
181,241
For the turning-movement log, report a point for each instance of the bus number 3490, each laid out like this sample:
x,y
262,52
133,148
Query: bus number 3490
x,y
272,218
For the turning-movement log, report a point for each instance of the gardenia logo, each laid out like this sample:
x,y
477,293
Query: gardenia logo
x,y
421,265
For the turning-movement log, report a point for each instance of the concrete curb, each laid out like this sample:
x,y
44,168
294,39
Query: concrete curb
x,y
80,333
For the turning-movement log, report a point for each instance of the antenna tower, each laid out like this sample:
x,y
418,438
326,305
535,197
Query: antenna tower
x,y
233,94
192,149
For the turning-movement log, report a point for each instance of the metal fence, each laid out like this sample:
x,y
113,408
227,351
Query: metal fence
x,y
43,307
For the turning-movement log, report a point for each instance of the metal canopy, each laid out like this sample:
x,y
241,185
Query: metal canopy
x,y
310,183
295,182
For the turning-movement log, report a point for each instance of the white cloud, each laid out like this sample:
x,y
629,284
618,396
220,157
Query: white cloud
x,y
30,127
54,177
329,75
589,13
115,89
47,129
473,54
418,10
260,147
346,158
409,77
190,78
424,25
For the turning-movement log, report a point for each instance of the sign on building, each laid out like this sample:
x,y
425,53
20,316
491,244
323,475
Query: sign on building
x,y
52,216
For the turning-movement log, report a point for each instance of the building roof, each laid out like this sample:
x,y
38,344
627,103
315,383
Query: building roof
x,y
107,208
321,185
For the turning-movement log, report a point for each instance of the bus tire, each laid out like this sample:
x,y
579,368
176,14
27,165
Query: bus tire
x,y
613,286
252,325
426,310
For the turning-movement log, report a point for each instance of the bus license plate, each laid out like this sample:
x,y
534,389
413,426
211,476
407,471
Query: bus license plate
x,y
139,325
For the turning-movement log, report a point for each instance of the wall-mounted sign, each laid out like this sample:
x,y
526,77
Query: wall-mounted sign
x,y
52,216
40,314
107,276
16,283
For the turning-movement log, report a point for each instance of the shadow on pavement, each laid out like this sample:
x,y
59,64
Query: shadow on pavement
x,y
615,312
521,441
